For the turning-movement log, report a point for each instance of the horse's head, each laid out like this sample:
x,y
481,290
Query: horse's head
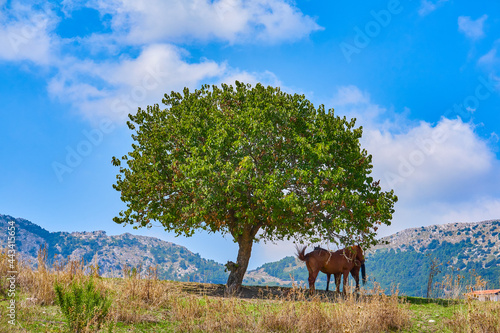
x,y
359,253
360,256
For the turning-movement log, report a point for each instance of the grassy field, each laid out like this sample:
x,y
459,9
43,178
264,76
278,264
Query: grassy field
x,y
142,303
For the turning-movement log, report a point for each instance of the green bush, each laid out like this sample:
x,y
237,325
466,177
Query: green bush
x,y
84,307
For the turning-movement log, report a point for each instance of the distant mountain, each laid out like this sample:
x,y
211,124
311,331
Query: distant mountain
x,y
113,253
466,249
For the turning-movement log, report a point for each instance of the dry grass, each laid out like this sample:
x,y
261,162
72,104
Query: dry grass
x,y
4,269
39,283
138,295
368,313
454,285
476,316
140,298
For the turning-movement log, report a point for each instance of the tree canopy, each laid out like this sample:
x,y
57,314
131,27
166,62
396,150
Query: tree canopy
x,y
254,162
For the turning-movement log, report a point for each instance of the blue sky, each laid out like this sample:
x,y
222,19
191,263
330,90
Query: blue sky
x,y
421,77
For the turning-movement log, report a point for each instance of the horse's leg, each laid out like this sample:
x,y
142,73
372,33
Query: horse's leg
x,y
312,280
328,280
355,275
337,277
356,278
346,279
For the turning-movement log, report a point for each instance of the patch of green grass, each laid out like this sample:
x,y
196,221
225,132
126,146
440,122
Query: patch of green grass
x,y
423,300
431,316
33,318
165,326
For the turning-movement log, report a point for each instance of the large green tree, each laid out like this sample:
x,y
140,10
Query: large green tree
x,y
252,162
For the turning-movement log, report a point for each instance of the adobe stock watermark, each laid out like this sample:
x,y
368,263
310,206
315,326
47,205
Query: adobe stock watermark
x,y
75,155
128,103
121,106
417,157
28,32
484,89
427,146
11,273
364,35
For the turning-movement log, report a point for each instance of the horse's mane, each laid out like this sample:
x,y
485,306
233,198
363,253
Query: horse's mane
x,y
319,248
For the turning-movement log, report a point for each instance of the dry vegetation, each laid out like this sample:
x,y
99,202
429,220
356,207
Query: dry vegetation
x,y
141,302
476,317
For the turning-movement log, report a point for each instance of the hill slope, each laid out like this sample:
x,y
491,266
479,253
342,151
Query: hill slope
x,y
112,253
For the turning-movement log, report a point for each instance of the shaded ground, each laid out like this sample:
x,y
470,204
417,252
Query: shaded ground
x,y
253,292
273,292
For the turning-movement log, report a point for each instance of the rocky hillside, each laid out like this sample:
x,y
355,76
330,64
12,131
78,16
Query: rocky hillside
x,y
113,253
485,236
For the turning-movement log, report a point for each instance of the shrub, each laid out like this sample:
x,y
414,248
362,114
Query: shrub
x,y
84,307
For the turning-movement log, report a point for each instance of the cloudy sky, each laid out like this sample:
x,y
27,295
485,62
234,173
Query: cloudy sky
x,y
421,77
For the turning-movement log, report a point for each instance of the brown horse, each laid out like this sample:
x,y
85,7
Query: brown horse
x,y
338,263
358,264
354,274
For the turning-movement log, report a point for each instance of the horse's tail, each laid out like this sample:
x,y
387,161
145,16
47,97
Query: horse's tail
x,y
363,273
300,253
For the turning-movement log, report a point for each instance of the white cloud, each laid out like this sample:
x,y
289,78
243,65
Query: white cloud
x,y
114,89
266,78
432,162
440,172
354,103
473,29
411,215
349,95
26,34
490,63
113,83
482,209
234,21
427,6
491,59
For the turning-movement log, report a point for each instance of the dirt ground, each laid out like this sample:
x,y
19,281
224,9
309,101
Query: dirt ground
x,y
252,292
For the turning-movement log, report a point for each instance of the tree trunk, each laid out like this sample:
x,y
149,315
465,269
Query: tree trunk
x,y
238,270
